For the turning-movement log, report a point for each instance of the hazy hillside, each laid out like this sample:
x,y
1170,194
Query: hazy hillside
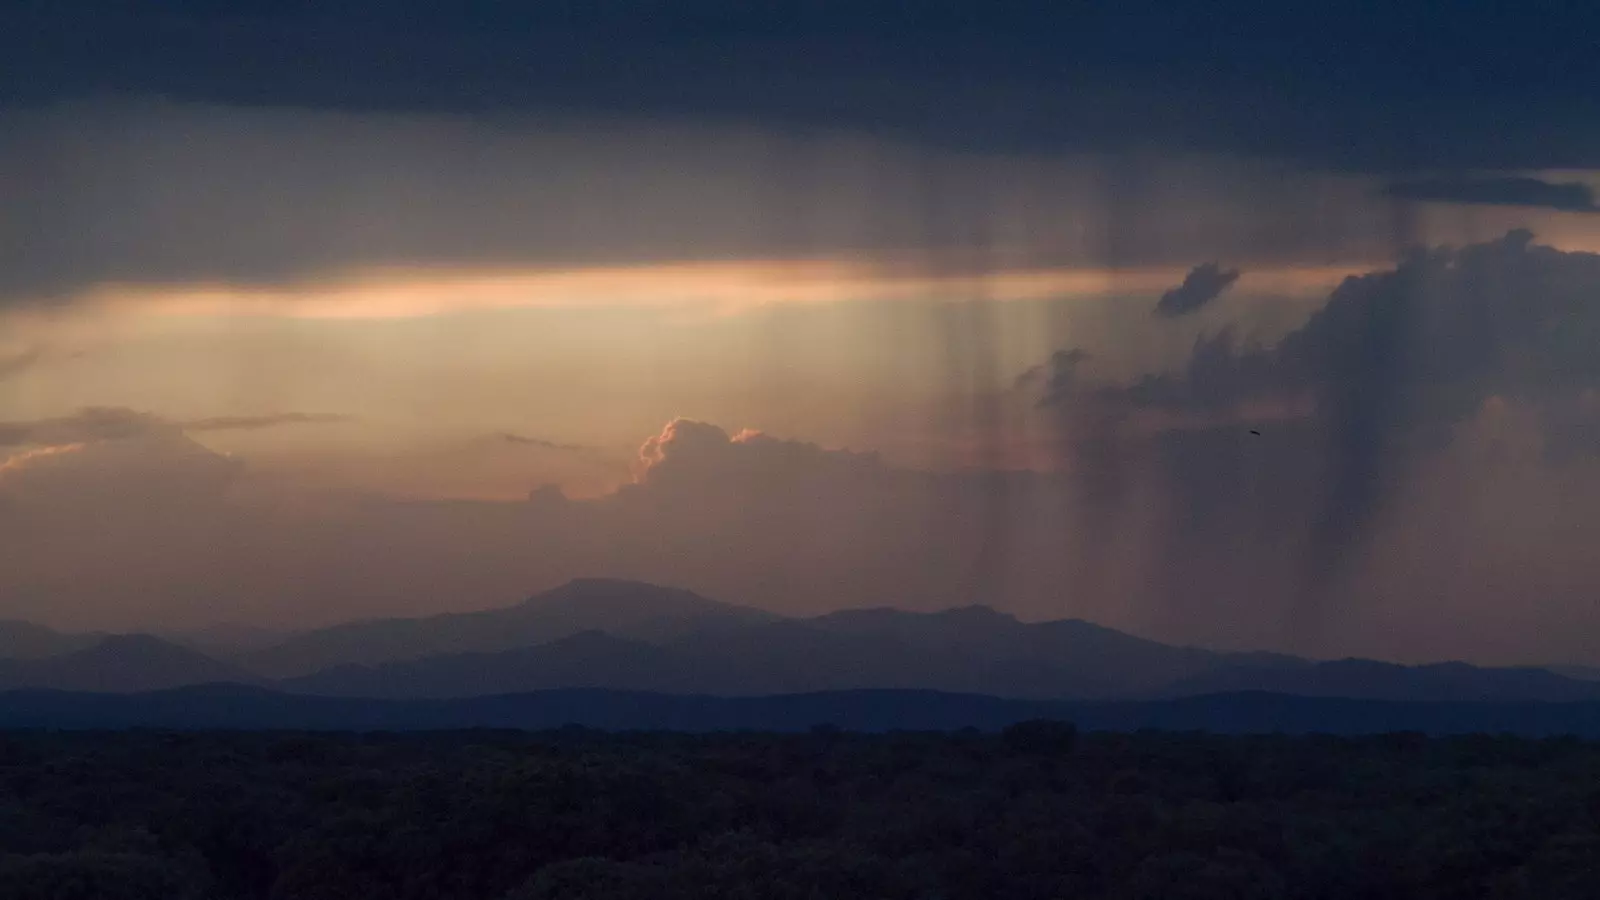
x,y
621,608
25,640
630,636
591,659
622,635
227,640
1582,673
1367,679
1091,657
718,648
972,650
790,657
776,658
120,663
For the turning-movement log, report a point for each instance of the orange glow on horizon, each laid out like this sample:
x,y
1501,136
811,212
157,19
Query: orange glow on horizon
x,y
712,287
21,460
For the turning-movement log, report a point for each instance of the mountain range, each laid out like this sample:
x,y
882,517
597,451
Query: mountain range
x,y
25,640
121,663
627,636
621,608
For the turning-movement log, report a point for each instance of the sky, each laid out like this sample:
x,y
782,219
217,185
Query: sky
x,y
1251,326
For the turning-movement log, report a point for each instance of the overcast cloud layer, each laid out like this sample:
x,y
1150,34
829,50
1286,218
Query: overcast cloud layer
x,y
1375,86
138,192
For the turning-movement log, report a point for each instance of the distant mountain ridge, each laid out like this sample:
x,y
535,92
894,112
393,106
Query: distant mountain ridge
x,y
719,648
621,608
630,636
1372,680
973,650
1581,673
227,640
25,640
120,664
777,658
911,651
1084,651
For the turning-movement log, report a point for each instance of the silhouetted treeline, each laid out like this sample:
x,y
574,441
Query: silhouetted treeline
x,y
1036,811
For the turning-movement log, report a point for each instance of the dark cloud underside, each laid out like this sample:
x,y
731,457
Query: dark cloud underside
x,y
1483,85
1566,196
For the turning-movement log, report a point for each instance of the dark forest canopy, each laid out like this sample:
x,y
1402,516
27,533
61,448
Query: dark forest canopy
x,y
1036,811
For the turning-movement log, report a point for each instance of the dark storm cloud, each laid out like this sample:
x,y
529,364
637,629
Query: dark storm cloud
x,y
1486,85
265,143
1442,330
1566,196
1202,285
1379,376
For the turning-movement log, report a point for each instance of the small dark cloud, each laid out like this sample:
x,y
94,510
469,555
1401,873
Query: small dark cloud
x,y
1054,378
541,443
1202,285
254,423
1565,196
17,363
548,495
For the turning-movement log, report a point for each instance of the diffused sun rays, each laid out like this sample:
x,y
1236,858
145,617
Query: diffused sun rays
x,y
718,288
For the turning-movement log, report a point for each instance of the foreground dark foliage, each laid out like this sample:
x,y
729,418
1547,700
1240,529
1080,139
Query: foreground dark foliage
x,y
1037,812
